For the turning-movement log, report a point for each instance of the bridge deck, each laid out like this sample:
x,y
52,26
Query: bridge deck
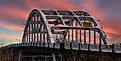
x,y
116,48
35,51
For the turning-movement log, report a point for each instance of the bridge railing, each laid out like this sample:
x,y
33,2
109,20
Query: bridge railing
x,y
94,47
84,46
67,45
75,46
106,48
117,48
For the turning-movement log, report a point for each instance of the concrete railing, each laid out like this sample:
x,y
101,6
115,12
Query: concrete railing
x,y
106,48
84,46
75,46
94,47
117,48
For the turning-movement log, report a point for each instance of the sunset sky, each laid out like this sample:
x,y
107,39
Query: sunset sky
x,y
13,13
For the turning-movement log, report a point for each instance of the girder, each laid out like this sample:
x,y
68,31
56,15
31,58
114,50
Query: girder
x,y
51,25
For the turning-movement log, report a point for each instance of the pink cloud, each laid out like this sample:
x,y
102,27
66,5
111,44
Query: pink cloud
x,y
13,12
57,4
112,29
21,14
18,28
110,26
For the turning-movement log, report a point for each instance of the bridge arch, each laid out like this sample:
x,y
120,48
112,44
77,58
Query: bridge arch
x,y
50,25
35,29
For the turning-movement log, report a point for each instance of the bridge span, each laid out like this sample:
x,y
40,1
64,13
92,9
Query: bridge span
x,y
62,35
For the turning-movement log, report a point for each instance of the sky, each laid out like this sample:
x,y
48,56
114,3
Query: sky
x,y
14,13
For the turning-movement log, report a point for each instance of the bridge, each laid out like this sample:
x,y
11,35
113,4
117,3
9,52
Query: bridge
x,y
62,35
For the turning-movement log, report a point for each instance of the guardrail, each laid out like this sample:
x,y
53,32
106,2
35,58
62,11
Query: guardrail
x,y
94,47
117,48
75,46
67,45
84,46
106,48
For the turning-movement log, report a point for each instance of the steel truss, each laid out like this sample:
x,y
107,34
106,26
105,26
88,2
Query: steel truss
x,y
61,26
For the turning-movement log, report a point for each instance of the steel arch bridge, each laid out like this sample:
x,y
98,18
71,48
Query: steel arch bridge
x,y
62,35
61,26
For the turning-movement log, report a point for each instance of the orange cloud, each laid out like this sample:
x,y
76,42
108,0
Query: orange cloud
x,y
112,29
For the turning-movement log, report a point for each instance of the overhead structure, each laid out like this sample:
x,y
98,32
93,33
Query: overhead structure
x,y
61,26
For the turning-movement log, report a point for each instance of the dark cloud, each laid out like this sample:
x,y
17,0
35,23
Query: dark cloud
x,y
111,8
15,3
76,2
108,4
